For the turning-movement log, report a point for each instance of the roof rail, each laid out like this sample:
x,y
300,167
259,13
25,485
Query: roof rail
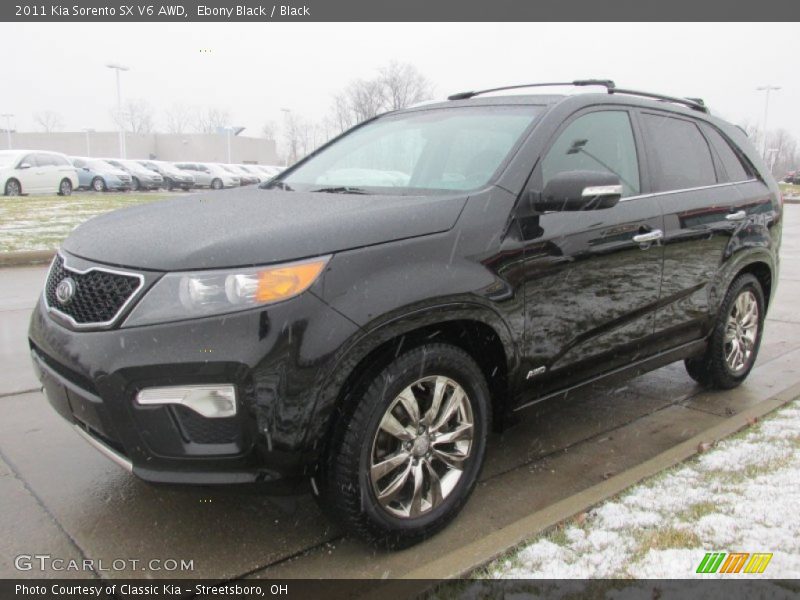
x,y
694,103
606,83
611,88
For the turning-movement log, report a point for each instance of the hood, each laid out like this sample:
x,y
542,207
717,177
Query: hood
x,y
252,226
108,171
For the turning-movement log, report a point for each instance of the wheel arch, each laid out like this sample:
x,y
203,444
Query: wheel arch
x,y
761,264
763,272
477,330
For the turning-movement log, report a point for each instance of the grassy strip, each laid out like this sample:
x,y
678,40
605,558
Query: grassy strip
x,y
42,222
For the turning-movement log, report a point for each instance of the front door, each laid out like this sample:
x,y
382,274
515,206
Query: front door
x,y
591,284
30,177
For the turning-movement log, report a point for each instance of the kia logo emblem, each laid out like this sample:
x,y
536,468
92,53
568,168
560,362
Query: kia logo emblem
x,y
65,290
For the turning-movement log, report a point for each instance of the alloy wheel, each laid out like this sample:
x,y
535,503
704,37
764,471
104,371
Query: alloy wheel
x,y
419,452
741,331
12,188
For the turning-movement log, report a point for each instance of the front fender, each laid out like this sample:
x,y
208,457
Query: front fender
x,y
384,330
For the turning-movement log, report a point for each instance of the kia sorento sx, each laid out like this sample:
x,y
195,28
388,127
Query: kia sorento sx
x,y
361,321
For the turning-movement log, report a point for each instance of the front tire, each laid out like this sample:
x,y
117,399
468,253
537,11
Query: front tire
x,y
13,188
216,184
65,188
98,185
734,343
405,459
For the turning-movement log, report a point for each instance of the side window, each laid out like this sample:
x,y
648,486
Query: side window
x,y
732,165
45,160
678,154
30,159
598,141
78,163
59,160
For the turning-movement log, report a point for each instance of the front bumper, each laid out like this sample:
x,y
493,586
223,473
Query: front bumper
x,y
119,185
277,358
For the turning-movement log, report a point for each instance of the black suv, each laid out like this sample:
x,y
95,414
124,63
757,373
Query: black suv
x,y
360,321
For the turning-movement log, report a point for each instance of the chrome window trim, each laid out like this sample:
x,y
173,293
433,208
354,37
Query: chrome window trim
x,y
694,189
122,308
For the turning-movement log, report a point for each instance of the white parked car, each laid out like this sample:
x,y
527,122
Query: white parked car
x,y
36,172
210,175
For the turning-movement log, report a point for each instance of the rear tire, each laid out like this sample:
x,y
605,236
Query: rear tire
x,y
13,188
216,184
65,188
431,475
733,346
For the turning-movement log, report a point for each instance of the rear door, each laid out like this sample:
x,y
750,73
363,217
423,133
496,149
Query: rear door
x,y
702,207
63,169
49,171
591,290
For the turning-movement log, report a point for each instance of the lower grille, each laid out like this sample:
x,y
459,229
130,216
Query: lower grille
x,y
201,430
97,295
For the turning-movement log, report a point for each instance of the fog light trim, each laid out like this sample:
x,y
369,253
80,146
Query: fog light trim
x,y
210,401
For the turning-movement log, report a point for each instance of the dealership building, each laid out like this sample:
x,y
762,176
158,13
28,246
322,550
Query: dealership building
x,y
200,147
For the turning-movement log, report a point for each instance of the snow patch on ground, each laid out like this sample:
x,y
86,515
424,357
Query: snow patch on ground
x,y
741,496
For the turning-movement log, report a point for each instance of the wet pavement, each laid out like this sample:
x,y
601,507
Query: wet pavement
x,y
60,497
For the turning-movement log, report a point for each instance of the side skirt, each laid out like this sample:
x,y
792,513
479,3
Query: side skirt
x,y
627,372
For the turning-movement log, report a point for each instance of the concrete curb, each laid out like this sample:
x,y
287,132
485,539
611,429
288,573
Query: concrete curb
x,y
465,560
25,258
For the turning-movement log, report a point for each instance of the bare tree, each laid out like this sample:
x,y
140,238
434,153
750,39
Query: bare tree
x,y
404,85
137,116
178,118
342,116
781,152
293,132
397,85
212,120
269,130
49,121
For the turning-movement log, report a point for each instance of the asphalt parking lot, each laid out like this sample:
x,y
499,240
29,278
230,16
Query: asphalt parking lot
x,y
60,497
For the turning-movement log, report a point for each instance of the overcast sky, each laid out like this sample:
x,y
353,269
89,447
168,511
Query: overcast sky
x,y
255,69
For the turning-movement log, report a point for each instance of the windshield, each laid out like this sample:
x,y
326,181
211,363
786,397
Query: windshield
x,y
101,165
439,149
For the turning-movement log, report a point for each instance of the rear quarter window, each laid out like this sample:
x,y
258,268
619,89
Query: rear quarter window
x,y
678,155
732,167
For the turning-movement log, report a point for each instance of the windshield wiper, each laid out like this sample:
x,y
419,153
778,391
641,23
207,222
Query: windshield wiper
x,y
268,185
341,190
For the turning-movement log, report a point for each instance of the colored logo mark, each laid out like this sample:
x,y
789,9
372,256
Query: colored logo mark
x,y
734,562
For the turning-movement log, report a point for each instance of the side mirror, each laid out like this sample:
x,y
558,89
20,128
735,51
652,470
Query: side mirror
x,y
24,166
578,190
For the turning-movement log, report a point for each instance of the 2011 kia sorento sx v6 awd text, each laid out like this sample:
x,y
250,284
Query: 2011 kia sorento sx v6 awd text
x,y
360,321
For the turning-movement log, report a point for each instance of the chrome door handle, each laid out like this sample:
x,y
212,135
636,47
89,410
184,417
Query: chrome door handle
x,y
737,216
650,236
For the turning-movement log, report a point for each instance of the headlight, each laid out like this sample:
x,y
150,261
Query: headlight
x,y
195,294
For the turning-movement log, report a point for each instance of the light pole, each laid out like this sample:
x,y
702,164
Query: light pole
x,y
766,88
8,127
118,67
228,130
88,130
